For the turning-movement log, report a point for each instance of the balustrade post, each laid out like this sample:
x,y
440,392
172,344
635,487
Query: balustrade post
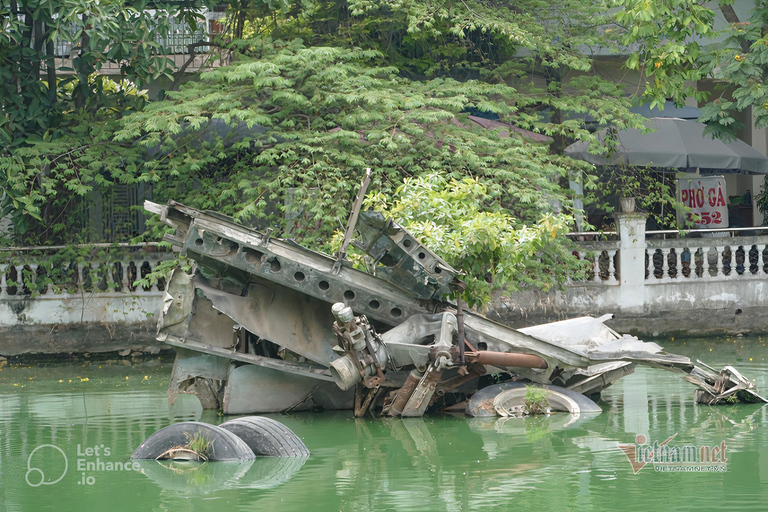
x,y
708,266
33,274
612,270
692,252
124,268
109,279
596,267
154,288
3,280
665,264
80,280
720,272
744,264
95,277
19,279
583,256
632,247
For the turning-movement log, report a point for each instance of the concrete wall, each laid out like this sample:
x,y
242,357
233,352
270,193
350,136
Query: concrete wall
x,y
73,323
102,310
671,309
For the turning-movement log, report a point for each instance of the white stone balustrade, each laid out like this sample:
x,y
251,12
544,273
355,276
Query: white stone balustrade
x,y
698,271
118,275
706,259
101,289
603,257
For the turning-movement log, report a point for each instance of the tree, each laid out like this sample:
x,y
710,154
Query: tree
x,y
55,124
94,35
319,90
679,46
489,247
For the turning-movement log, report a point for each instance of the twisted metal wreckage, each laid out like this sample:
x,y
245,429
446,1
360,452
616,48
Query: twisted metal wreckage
x,y
265,325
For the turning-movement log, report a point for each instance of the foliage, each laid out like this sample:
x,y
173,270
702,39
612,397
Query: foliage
x,y
679,45
761,200
545,50
317,91
57,123
535,400
51,179
652,188
667,34
200,443
307,121
460,221
740,61
307,116
95,35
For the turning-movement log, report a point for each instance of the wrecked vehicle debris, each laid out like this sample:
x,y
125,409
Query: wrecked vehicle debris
x,y
265,325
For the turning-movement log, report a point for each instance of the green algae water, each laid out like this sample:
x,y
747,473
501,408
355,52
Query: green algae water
x,y
68,431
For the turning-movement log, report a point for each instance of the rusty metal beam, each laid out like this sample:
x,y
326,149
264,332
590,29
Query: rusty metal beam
x,y
508,359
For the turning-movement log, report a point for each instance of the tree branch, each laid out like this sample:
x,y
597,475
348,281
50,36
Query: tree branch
x,y
192,54
730,16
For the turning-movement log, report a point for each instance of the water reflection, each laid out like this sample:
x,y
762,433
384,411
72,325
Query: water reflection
x,y
471,461
432,463
199,479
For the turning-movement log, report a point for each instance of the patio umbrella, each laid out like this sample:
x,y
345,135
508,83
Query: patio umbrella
x,y
668,110
676,143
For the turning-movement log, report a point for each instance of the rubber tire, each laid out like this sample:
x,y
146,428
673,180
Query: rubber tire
x,y
487,394
226,445
267,437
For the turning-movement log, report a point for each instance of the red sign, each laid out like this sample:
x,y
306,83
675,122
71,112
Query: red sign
x,y
706,198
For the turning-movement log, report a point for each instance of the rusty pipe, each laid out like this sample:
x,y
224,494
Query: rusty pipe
x,y
509,359
402,397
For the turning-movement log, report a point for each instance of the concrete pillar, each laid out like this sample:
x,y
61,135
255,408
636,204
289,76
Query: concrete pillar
x,y
631,227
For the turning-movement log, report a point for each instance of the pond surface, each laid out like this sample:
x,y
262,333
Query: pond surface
x,y
73,426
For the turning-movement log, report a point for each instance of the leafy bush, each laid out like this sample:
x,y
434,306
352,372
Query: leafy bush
x,y
462,223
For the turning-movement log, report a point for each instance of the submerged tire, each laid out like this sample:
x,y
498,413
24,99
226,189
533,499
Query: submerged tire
x,y
209,441
267,437
484,403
